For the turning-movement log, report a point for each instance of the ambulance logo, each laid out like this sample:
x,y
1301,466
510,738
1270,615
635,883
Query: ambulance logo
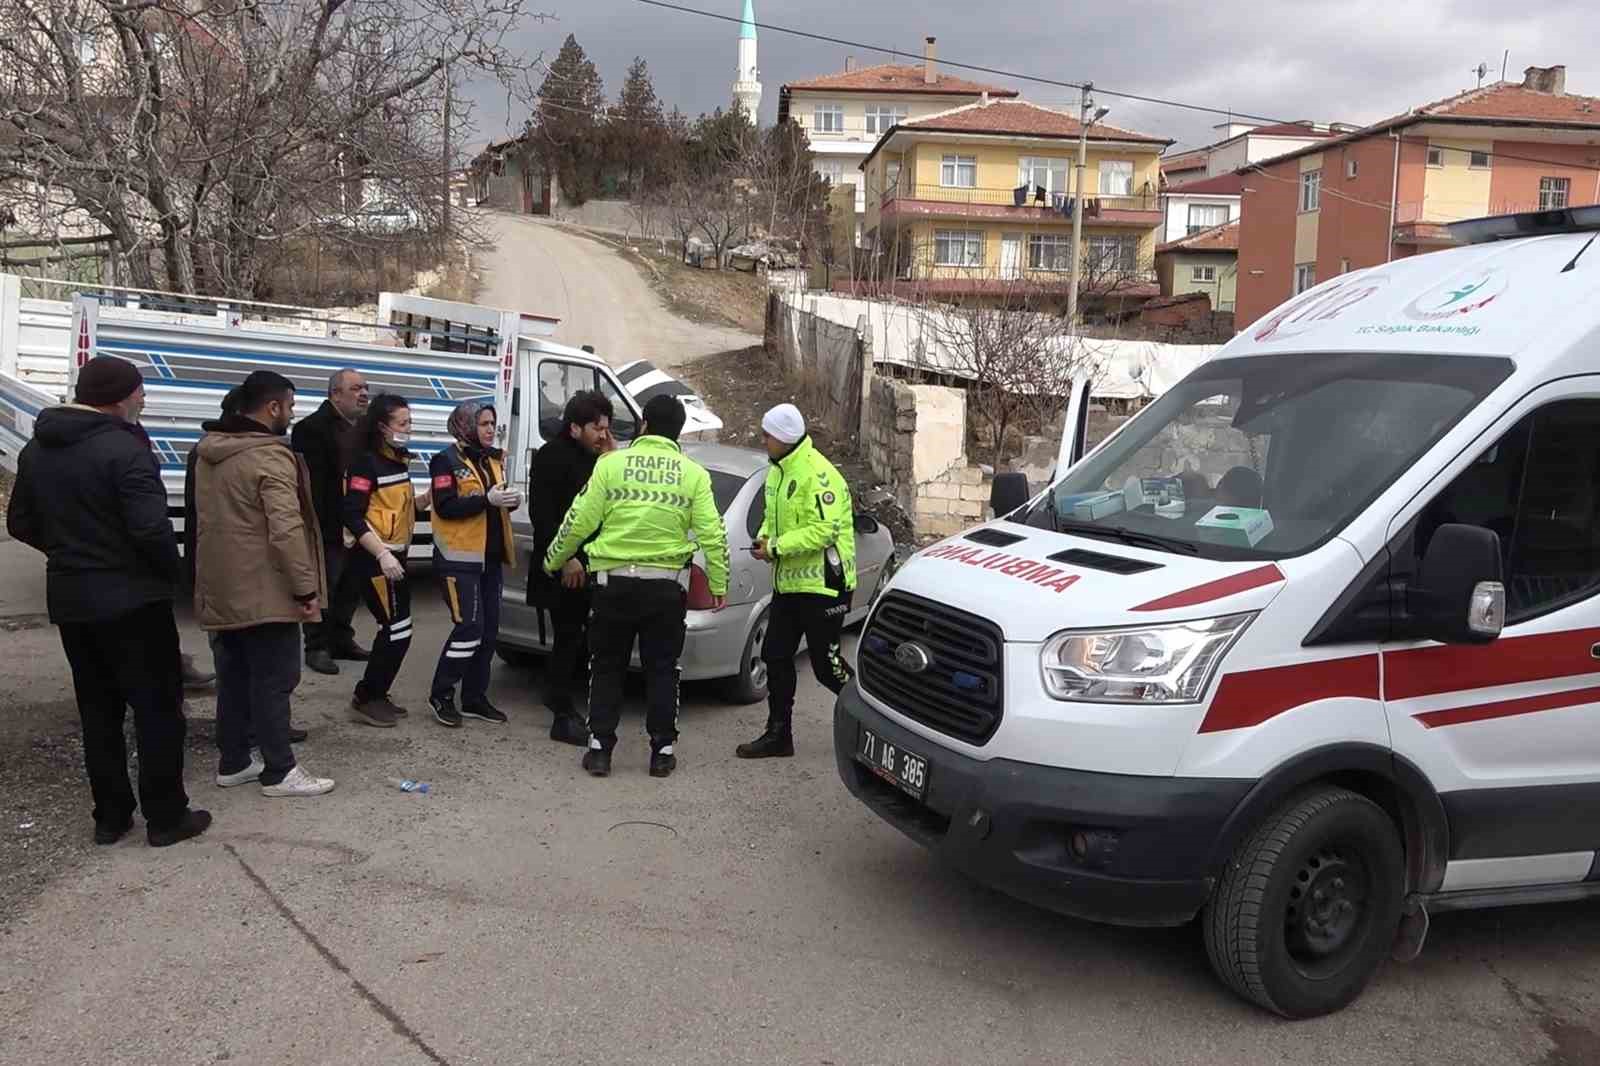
x,y
1461,295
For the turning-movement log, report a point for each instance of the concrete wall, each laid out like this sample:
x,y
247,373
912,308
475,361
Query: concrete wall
x,y
916,446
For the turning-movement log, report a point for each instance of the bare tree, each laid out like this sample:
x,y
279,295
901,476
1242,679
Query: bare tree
x,y
721,213
197,135
678,210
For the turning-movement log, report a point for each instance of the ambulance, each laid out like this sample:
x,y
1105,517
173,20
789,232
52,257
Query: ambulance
x,y
1308,651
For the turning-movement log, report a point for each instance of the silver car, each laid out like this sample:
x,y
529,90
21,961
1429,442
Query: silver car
x,y
723,644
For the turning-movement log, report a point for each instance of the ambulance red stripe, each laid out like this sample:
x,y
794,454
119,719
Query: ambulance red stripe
x,y
1253,696
1216,590
1482,712
1433,671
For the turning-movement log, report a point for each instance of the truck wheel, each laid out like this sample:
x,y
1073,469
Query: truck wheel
x,y
749,685
519,657
1308,905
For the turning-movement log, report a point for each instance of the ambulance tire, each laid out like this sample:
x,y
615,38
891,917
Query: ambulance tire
x,y
1308,906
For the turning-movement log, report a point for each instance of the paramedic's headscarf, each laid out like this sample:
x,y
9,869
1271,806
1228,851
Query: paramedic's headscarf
x,y
464,424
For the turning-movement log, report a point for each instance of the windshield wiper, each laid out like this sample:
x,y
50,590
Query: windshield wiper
x,y
1129,536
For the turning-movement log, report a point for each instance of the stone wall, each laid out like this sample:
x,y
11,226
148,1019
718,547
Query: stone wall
x,y
915,446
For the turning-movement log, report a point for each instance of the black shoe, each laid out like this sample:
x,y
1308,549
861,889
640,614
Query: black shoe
x,y
597,761
570,729
351,653
484,711
662,764
773,744
444,711
195,678
322,663
193,824
110,834
297,736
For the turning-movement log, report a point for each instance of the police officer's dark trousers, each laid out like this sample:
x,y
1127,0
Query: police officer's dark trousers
x,y
473,596
390,604
653,611
820,619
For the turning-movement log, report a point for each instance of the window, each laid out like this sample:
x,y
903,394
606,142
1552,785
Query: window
x,y
1344,266
1049,251
959,172
1478,160
958,247
1553,193
1038,170
1116,177
1352,167
1311,190
758,509
1206,216
1203,274
725,488
891,174
828,118
1108,256
881,118
1435,156
1305,276
1536,489
832,169
559,381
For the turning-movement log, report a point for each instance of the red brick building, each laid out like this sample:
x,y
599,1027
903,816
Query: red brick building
x,y
1388,190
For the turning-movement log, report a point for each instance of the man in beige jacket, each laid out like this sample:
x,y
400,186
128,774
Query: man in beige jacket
x,y
259,576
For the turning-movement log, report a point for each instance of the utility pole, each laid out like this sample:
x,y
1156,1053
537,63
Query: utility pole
x,y
445,215
1077,204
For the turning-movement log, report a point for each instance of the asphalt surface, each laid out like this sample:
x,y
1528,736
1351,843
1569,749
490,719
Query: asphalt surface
x,y
544,267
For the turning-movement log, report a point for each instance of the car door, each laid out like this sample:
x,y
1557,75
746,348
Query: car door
x,y
1509,732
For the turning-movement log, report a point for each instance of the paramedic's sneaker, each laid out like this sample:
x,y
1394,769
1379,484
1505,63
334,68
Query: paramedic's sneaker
x,y
192,825
379,712
484,711
444,711
243,777
299,783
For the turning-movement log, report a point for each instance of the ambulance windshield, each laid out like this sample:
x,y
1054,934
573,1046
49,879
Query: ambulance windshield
x,y
1268,456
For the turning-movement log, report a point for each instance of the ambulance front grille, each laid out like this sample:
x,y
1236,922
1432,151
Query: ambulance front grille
x,y
959,690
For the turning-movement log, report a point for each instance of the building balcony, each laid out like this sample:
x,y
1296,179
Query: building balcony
x,y
1022,205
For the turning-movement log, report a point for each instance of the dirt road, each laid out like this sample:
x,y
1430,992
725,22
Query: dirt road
x,y
601,298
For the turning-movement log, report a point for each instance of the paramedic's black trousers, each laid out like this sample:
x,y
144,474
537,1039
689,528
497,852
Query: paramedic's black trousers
x,y
390,604
473,596
653,610
818,618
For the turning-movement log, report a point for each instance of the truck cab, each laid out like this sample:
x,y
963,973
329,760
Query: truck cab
x,y
1307,649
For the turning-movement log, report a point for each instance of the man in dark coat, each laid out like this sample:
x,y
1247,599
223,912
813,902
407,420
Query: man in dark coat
x,y
325,439
560,471
89,495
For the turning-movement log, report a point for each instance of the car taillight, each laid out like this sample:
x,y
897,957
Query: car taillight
x,y
699,589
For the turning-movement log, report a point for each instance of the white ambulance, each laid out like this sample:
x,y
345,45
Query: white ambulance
x,y
1309,649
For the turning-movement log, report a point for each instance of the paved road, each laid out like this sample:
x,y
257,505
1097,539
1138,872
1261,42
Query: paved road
x,y
602,300
737,912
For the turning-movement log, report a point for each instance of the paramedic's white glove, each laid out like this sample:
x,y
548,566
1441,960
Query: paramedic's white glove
x,y
504,498
391,567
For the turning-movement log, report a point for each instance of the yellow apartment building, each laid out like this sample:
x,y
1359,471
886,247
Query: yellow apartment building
x,y
978,197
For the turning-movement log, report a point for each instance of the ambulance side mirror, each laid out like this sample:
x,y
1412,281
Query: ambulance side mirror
x,y
1459,596
1009,492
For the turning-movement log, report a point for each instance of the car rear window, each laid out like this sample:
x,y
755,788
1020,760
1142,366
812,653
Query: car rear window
x,y
725,487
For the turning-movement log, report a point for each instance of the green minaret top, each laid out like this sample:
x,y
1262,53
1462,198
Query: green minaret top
x,y
747,28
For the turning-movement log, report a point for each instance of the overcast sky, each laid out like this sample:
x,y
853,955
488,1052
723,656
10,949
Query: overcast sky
x,y
1352,61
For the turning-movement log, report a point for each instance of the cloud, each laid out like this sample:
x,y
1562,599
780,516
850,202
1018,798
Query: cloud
x,y
1356,61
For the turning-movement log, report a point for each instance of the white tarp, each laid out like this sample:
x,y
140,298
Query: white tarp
x,y
901,335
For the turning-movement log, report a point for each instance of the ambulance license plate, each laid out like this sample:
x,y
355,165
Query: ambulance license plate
x,y
906,770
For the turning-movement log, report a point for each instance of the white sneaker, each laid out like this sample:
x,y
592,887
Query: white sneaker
x,y
243,777
299,783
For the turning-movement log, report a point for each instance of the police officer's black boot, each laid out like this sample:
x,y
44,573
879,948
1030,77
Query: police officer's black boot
x,y
569,728
776,743
662,761
597,761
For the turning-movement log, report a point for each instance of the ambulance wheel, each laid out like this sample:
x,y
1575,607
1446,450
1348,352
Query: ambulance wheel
x,y
1308,905
749,685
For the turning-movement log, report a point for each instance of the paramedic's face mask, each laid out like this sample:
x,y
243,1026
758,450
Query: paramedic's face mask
x,y
398,428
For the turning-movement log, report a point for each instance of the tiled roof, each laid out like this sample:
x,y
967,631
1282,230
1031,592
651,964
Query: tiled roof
x,y
1223,238
1022,119
1288,129
1229,184
897,78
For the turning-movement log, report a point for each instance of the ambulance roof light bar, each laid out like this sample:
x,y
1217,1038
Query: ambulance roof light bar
x,y
1527,224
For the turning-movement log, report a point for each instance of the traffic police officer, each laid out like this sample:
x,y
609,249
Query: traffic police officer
x,y
808,534
644,500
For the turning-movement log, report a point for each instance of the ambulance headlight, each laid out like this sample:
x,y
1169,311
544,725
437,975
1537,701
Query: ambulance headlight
x,y
1145,664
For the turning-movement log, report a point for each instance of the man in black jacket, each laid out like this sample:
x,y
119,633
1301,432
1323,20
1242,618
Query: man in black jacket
x,y
89,495
325,438
560,471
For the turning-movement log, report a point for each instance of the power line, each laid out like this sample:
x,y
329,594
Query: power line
x,y
1077,85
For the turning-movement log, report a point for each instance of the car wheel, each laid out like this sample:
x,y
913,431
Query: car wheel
x,y
1308,905
514,656
749,685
